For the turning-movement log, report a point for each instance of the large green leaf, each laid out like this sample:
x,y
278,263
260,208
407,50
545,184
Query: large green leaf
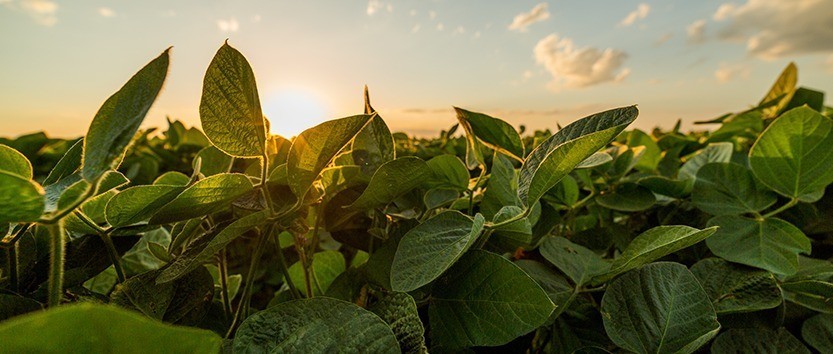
x,y
139,203
575,261
177,302
716,152
502,188
118,119
203,249
316,147
392,180
627,197
557,287
729,189
230,107
373,146
318,325
429,249
818,332
67,165
794,154
493,132
91,328
816,295
399,310
14,162
448,171
652,155
771,244
21,199
757,340
485,300
213,161
555,157
659,308
207,196
654,244
736,288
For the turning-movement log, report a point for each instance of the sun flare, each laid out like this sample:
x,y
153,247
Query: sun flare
x,y
291,111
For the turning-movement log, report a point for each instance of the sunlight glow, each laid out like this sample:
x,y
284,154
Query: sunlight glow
x,y
292,110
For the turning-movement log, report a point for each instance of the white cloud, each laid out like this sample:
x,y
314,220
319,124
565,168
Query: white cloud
x,y
374,6
663,39
573,67
230,25
477,34
728,72
523,20
41,11
416,28
440,26
640,13
777,28
432,15
106,12
696,31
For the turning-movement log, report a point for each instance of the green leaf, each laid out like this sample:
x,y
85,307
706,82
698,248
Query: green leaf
x,y
230,107
659,308
771,244
170,302
781,92
67,165
438,197
14,305
318,325
213,161
804,96
816,295
429,249
554,284
207,196
735,288
729,189
172,178
716,152
326,266
595,160
758,340
14,162
392,180
652,155
493,132
206,246
502,188
575,261
139,203
818,332
373,146
794,154
118,119
449,171
627,197
21,199
91,328
399,311
316,147
485,300
654,244
555,157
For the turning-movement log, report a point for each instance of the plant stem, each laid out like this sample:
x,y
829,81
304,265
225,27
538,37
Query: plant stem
x,y
784,207
56,262
243,304
224,295
481,241
285,269
471,191
11,265
108,242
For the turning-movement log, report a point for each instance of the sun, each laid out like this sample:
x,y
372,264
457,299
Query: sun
x,y
292,110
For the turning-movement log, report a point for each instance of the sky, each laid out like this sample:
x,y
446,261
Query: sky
x,y
535,63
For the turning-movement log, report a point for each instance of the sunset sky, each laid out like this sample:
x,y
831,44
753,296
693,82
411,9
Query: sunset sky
x,y
528,62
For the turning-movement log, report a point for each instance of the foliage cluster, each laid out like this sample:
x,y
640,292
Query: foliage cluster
x,y
348,238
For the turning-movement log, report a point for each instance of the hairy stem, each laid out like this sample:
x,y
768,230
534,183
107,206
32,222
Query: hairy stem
x,y
224,294
243,304
784,207
112,252
285,268
56,263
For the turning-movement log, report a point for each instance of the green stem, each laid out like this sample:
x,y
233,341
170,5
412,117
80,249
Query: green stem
x,y
11,265
243,304
471,191
108,242
56,263
285,269
264,188
224,295
784,207
17,235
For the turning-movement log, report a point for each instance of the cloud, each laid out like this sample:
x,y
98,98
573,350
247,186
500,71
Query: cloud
x,y
228,26
696,31
523,20
106,12
416,28
432,15
573,67
728,72
42,12
640,13
776,28
459,30
374,6
663,39
440,26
